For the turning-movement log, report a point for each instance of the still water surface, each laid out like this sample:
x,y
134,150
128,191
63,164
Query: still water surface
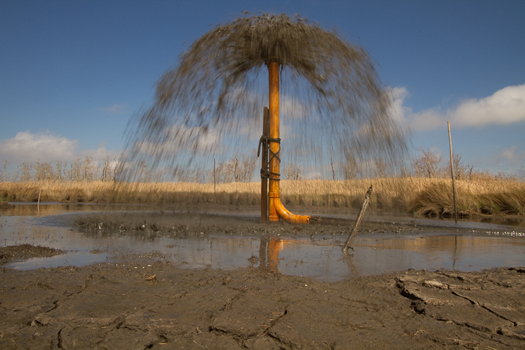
x,y
491,246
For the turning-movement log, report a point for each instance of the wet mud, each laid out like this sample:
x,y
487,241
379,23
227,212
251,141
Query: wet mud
x,y
5,205
191,223
26,251
144,302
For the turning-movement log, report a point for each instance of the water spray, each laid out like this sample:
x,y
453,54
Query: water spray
x,y
209,104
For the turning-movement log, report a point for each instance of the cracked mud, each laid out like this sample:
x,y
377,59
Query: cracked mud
x,y
143,302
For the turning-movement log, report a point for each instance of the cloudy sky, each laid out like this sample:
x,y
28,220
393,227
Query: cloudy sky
x,y
72,73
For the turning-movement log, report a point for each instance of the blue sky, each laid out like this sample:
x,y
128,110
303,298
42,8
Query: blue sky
x,y
72,73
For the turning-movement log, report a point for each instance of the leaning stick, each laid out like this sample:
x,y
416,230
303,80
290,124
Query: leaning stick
x,y
358,221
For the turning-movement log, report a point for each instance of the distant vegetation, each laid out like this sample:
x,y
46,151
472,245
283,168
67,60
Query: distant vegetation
x,y
424,191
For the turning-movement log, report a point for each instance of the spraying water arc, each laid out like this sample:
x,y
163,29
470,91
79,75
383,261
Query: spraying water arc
x,y
208,105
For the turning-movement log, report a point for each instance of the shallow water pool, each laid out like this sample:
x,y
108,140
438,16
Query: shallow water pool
x,y
319,257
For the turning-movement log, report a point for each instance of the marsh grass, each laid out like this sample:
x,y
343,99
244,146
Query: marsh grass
x,y
420,196
487,197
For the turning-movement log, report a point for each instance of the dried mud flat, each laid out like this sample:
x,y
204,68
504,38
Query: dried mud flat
x,y
144,302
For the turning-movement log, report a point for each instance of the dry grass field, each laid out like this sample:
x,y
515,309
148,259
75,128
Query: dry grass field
x,y
420,196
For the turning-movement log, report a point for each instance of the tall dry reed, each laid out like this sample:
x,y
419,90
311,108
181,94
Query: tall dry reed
x,y
420,196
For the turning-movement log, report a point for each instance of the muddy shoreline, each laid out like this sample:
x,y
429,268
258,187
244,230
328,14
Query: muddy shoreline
x,y
147,302
191,223
144,302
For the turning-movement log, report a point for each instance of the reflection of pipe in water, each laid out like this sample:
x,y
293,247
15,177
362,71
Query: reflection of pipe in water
x,y
274,248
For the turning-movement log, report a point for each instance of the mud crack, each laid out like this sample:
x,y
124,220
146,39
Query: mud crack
x,y
275,320
484,306
55,306
60,344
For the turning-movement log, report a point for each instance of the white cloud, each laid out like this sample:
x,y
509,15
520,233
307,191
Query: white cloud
x,y
512,156
505,106
398,111
510,160
293,108
312,175
45,147
115,109
28,147
182,138
403,115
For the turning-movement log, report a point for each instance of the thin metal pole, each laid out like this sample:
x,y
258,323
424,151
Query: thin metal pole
x,y
452,174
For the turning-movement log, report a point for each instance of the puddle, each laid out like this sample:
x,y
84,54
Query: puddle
x,y
320,257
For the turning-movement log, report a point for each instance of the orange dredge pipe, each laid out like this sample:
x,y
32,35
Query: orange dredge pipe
x,y
276,208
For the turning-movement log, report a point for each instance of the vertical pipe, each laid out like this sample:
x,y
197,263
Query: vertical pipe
x,y
452,174
276,209
273,74
264,166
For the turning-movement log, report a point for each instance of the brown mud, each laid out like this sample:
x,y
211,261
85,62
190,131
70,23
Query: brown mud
x,y
146,302
166,223
26,251
5,205
143,302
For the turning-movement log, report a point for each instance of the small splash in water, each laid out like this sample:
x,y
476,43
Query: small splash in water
x,y
506,233
334,109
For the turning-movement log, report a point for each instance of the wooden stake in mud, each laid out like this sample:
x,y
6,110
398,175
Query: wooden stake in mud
x,y
453,176
38,203
358,221
264,165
